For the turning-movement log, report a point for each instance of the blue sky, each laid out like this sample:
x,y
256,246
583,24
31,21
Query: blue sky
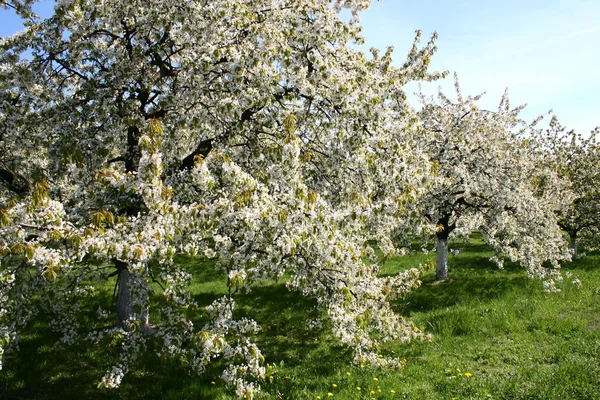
x,y
547,53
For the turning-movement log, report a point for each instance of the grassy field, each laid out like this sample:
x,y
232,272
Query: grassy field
x,y
497,336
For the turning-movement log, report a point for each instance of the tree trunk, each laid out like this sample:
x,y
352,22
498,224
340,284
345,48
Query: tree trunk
x,y
132,159
573,245
15,182
441,264
125,302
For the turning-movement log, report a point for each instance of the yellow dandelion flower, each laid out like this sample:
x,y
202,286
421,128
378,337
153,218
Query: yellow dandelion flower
x,y
358,388
212,383
468,374
457,370
448,371
329,394
375,379
392,391
334,385
453,377
347,373
318,397
372,392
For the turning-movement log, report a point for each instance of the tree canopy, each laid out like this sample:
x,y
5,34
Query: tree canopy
x,y
253,134
485,170
576,159
248,132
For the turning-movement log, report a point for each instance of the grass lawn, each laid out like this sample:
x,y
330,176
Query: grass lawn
x,y
497,336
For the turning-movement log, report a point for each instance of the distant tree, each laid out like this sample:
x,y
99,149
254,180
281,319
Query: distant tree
x,y
245,131
484,183
575,158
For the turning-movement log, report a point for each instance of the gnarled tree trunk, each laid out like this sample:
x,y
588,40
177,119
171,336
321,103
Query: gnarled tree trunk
x,y
126,302
441,264
573,245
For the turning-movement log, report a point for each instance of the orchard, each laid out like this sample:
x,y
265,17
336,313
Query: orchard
x,y
254,134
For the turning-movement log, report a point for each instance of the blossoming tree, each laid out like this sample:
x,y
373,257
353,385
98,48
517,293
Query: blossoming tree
x,y
576,158
485,170
245,131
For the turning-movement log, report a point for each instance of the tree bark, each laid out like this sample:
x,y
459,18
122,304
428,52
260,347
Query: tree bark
x,y
125,300
203,148
573,245
15,182
132,159
124,303
441,264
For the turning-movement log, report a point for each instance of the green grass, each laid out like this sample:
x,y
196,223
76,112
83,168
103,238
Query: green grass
x,y
514,340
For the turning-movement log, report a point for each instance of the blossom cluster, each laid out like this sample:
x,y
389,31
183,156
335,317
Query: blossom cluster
x,y
487,179
247,132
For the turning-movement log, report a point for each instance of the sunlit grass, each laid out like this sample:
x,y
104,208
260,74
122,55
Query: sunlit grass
x,y
497,335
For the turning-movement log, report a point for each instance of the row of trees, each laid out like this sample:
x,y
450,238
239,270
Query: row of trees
x,y
576,159
522,186
251,133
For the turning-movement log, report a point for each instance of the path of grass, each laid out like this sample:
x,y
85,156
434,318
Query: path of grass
x,y
497,336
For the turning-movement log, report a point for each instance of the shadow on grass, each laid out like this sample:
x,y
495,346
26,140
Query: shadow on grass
x,y
471,278
473,246
587,263
42,371
282,314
